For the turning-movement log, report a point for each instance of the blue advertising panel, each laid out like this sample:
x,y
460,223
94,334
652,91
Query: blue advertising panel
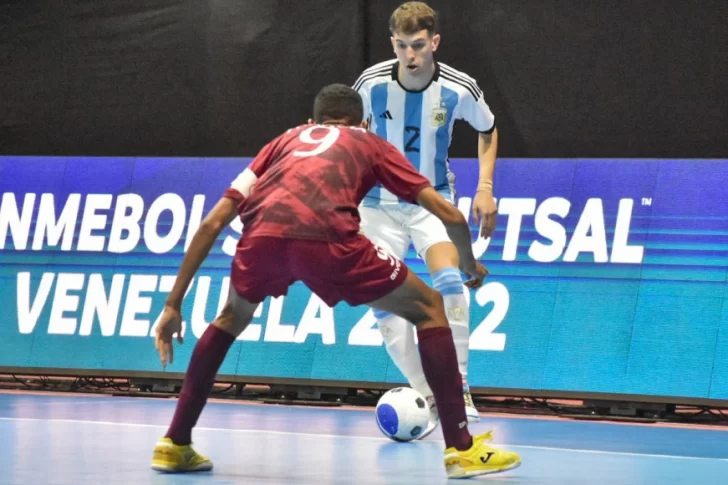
x,y
606,276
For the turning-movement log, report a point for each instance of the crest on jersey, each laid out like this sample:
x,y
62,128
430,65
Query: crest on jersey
x,y
439,114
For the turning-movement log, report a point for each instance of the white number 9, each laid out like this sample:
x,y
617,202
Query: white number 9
x,y
323,143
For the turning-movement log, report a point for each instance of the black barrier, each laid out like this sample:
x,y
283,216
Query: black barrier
x,y
188,78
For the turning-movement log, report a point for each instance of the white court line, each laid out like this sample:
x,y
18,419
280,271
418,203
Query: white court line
x,y
367,438
197,428
66,403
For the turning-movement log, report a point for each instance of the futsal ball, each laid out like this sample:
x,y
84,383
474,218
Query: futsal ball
x,y
402,414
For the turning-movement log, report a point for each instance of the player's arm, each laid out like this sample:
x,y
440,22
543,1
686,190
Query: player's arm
x,y
219,218
477,113
170,323
226,209
484,203
398,176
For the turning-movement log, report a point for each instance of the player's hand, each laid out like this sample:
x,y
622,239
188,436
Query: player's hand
x,y
169,324
475,276
485,210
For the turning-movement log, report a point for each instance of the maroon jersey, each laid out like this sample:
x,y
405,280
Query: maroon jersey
x,y
312,178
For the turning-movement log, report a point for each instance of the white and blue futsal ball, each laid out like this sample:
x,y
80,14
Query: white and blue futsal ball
x,y
402,414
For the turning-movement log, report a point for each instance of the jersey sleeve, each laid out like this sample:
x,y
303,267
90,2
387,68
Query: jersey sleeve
x,y
240,187
477,113
397,174
363,90
366,102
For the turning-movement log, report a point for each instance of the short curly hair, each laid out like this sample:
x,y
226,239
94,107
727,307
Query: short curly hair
x,y
338,102
412,17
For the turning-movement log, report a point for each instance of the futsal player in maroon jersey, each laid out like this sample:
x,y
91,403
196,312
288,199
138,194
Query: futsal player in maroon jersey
x,y
298,202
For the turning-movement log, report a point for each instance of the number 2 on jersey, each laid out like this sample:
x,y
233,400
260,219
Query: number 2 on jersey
x,y
414,133
321,144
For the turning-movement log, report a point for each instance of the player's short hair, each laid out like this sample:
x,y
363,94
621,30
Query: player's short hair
x,y
338,102
412,17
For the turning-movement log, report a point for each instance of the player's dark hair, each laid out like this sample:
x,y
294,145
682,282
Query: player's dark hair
x,y
338,102
412,17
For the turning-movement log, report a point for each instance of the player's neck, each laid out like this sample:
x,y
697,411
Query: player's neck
x,y
335,122
416,82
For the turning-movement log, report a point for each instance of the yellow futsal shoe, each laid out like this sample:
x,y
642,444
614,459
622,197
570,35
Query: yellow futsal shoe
x,y
480,459
172,458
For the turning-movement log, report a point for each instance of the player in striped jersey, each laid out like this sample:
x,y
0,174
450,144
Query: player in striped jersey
x,y
413,101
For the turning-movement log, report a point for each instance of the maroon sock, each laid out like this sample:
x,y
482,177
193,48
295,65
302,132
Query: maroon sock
x,y
206,359
440,364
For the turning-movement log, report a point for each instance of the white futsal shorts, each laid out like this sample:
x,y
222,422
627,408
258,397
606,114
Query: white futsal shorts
x,y
393,226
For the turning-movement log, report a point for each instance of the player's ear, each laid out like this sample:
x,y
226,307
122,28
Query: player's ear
x,y
435,42
394,47
365,124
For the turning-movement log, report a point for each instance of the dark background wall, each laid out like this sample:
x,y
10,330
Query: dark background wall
x,y
219,78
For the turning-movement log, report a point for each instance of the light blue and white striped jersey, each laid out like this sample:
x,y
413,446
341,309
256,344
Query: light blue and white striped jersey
x,y
420,123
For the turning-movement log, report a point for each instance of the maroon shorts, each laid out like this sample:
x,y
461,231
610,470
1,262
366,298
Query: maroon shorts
x,y
356,271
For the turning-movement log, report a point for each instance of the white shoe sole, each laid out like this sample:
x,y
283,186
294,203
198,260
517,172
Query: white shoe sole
x,y
429,430
171,469
476,473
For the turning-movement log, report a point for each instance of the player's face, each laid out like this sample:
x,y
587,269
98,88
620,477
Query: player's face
x,y
414,52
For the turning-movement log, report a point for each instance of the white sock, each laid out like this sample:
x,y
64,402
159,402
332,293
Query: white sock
x,y
450,284
399,340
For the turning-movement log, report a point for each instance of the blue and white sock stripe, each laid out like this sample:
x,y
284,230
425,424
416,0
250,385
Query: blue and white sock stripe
x,y
446,193
448,281
381,314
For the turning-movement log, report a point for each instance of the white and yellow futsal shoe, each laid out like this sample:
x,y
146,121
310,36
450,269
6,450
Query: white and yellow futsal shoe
x,y
171,458
470,410
479,459
434,417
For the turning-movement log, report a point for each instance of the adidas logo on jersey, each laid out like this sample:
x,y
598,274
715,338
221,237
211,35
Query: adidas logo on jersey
x,y
386,115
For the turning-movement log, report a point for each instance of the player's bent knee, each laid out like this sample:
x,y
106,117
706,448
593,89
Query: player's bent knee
x,y
235,316
229,322
433,310
438,309
440,256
